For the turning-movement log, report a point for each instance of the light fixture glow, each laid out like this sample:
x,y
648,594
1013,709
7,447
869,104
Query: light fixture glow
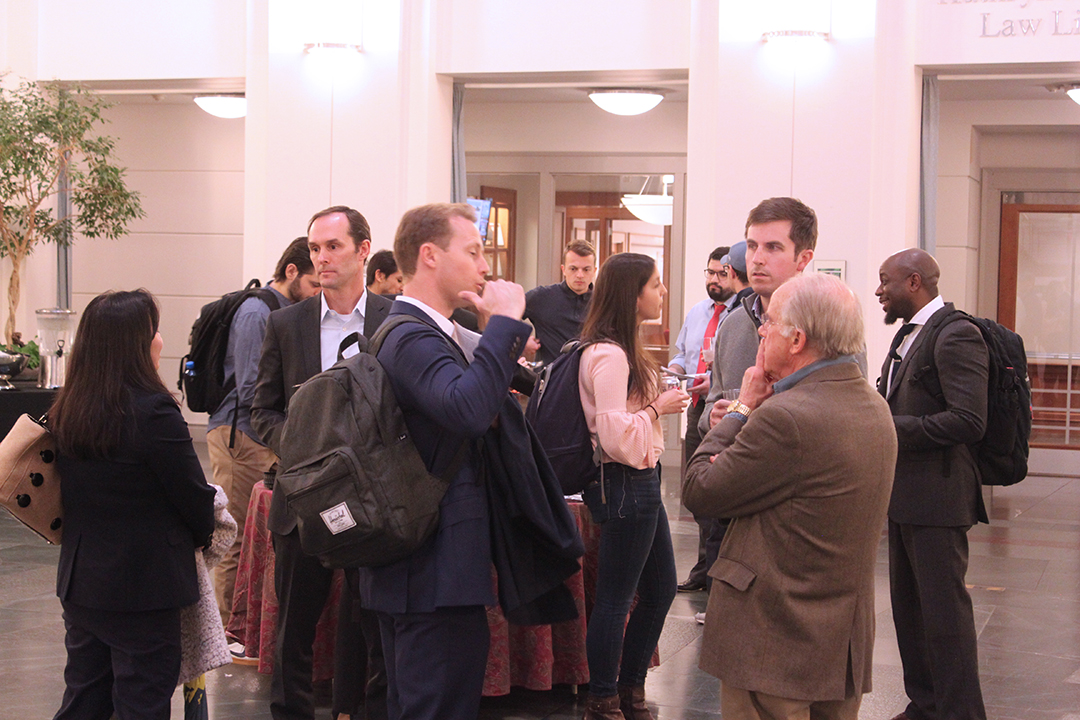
x,y
626,101
223,106
1074,94
654,209
331,47
780,34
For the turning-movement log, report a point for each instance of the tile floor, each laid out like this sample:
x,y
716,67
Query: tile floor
x,y
1024,574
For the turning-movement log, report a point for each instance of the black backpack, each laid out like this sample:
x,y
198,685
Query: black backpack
x,y
350,474
555,412
202,370
1002,454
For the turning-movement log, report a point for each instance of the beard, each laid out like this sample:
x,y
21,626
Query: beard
x,y
718,293
293,291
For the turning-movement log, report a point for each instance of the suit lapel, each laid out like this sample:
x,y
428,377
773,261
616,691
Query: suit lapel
x,y
311,338
916,346
374,314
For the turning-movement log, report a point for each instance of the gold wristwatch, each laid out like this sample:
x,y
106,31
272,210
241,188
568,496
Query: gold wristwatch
x,y
738,407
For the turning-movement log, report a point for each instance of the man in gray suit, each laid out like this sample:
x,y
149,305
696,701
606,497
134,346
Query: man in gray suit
x,y
301,341
938,400
803,462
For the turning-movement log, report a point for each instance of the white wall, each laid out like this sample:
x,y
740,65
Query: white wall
x,y
140,39
189,168
495,36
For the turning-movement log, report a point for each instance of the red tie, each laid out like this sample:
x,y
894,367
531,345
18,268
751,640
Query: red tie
x,y
710,332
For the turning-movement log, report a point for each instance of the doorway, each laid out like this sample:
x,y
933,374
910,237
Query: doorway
x,y
1038,279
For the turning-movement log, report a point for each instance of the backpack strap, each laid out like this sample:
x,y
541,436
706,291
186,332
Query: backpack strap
x,y
269,297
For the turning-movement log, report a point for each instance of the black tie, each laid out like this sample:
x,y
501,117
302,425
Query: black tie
x,y
894,356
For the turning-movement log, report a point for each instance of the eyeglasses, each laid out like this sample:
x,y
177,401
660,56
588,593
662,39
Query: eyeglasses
x,y
715,274
767,321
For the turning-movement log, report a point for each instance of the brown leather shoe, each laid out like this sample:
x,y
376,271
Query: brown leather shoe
x,y
602,708
632,703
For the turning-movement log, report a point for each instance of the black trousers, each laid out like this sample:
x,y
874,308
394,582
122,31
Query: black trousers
x,y
303,586
122,662
436,662
935,623
690,445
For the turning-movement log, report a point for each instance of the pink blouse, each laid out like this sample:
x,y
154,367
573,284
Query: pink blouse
x,y
627,431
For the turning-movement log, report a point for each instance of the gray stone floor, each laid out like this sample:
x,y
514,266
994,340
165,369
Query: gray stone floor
x,y
1024,574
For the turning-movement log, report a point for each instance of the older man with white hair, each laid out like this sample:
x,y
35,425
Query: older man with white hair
x,y
803,462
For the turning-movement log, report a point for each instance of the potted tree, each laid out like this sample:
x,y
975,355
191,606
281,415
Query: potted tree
x,y
48,139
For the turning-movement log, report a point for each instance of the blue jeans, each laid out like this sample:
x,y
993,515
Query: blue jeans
x,y
635,555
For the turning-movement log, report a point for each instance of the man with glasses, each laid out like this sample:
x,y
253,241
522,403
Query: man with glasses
x,y
695,346
803,461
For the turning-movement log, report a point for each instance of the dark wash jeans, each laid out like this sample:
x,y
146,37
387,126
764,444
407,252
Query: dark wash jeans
x,y
635,556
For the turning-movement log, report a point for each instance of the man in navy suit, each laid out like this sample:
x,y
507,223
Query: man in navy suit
x,y
431,604
301,341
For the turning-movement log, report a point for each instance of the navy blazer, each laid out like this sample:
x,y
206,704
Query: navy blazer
x,y
446,404
132,523
291,355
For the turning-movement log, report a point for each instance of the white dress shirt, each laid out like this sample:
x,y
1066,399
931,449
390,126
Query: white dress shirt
x,y
334,327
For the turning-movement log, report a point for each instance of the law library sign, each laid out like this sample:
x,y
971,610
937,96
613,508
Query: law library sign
x,y
1021,18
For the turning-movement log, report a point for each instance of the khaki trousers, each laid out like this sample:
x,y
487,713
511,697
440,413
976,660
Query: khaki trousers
x,y
736,704
236,470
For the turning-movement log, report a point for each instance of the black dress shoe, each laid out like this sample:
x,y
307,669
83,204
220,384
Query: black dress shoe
x,y
690,585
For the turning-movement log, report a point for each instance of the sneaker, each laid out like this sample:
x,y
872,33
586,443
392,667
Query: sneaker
x,y
700,617
240,656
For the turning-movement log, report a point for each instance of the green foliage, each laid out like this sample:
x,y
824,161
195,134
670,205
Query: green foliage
x,y
30,349
45,131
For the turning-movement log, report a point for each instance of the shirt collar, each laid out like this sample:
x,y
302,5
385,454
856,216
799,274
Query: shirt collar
x,y
443,323
927,310
791,380
358,310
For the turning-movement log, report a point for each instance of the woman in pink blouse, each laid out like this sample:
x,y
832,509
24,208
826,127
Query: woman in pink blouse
x,y
620,386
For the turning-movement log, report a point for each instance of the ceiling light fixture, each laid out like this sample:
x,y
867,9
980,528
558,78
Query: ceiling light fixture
x,y
223,106
653,209
1074,93
626,101
1070,89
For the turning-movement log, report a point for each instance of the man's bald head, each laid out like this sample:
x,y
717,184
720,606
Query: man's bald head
x,y
909,280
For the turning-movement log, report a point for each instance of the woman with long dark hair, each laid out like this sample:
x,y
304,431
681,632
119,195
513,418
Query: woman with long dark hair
x,y
620,394
136,506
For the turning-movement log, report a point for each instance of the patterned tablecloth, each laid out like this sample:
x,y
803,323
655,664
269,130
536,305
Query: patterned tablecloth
x,y
533,657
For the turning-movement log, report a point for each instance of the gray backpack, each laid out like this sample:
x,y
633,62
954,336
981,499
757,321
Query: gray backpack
x,y
359,489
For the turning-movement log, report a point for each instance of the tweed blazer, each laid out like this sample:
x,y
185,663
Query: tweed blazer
x,y
937,481
807,481
291,354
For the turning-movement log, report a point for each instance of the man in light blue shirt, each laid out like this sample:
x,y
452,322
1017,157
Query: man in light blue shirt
x,y
237,456
695,339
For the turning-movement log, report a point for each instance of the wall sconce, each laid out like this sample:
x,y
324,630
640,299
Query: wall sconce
x,y
626,101
223,106
653,209
331,47
778,34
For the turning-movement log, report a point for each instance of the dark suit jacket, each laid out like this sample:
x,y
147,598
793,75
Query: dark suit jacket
x,y
291,353
446,405
807,482
132,523
937,482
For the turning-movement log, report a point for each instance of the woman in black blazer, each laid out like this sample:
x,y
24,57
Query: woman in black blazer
x,y
136,506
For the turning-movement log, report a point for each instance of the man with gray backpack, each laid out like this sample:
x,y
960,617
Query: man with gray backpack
x,y
301,341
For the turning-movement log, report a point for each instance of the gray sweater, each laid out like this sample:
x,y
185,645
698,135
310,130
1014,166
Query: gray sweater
x,y
734,350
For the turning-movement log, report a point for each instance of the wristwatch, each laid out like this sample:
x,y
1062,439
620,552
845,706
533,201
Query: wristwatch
x,y
740,408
